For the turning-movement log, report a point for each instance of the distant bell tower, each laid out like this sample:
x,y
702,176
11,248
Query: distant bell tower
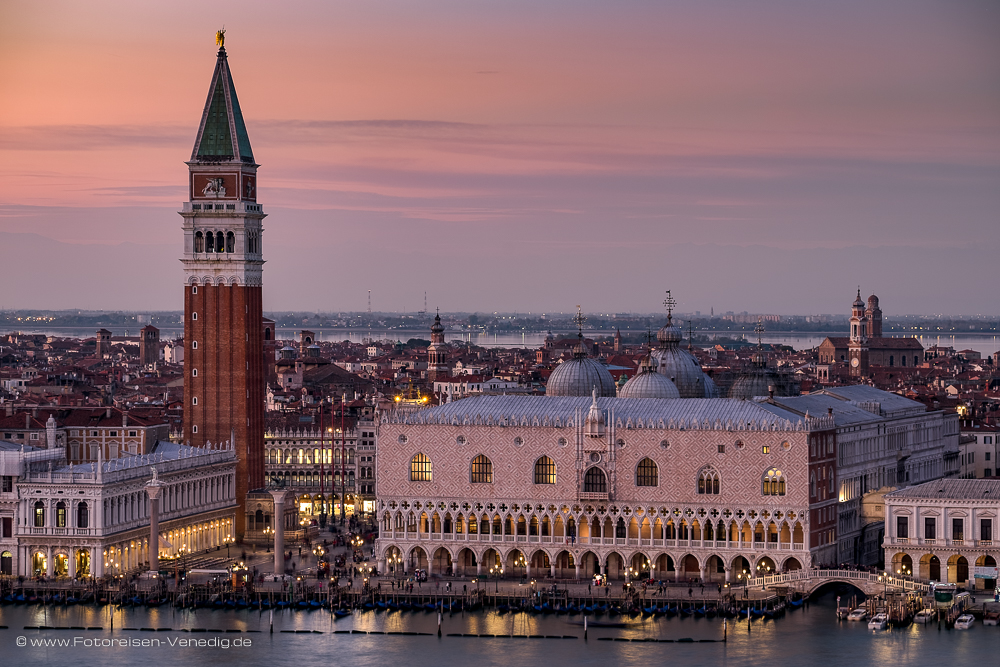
x,y
149,345
857,348
874,315
223,316
437,354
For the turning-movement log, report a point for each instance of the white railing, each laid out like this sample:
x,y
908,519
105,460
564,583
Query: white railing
x,y
839,575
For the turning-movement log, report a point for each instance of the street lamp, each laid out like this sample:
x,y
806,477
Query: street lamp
x,y
228,541
496,571
268,536
393,561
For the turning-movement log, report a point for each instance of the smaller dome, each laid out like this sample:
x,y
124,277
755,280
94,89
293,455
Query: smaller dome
x,y
437,326
579,377
649,384
858,303
669,333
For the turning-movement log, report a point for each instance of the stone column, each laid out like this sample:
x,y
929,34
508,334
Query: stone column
x,y
729,575
553,568
479,567
279,530
577,565
48,562
153,489
96,562
72,564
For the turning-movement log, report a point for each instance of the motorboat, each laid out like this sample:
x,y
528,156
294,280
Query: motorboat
x,y
991,618
964,622
879,622
859,614
925,616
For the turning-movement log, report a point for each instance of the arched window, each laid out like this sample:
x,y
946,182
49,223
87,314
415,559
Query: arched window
x,y
545,471
595,481
773,483
60,514
39,514
482,470
420,468
230,242
199,242
892,360
82,516
708,482
209,242
647,474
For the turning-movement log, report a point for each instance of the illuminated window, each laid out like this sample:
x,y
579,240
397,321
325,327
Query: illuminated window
x,y
420,468
647,474
482,470
595,481
773,483
545,471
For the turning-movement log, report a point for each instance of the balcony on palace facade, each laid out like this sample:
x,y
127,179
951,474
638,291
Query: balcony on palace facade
x,y
592,495
420,536
939,543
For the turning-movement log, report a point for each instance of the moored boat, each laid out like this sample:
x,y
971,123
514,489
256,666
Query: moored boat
x,y
925,616
879,621
964,622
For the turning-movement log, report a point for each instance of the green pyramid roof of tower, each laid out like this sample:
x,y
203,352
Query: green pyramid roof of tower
x,y
222,119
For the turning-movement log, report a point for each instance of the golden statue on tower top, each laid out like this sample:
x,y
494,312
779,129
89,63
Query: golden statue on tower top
x,y
220,38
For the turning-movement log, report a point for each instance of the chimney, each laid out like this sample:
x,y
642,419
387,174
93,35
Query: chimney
x,y
770,391
27,421
107,413
829,411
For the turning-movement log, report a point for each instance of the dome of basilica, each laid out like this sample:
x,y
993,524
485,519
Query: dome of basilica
x,y
649,384
680,366
580,376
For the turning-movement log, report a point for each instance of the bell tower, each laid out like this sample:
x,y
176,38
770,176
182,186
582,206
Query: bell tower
x,y
874,314
437,353
223,311
857,348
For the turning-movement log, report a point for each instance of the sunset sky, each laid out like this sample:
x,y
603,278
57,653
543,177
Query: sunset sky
x,y
768,156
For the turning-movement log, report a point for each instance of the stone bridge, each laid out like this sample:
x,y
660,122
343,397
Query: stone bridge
x,y
807,581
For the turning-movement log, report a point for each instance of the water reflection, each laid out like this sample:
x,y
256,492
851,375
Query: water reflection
x,y
802,637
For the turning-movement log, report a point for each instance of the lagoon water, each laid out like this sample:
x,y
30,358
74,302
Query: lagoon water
x,y
985,344
803,637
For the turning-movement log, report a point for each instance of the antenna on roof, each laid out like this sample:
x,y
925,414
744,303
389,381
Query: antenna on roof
x,y
759,329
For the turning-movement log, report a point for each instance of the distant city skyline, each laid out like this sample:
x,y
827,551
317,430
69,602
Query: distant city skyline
x,y
526,156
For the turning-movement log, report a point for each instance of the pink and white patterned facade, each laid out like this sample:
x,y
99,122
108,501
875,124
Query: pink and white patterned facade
x,y
692,488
